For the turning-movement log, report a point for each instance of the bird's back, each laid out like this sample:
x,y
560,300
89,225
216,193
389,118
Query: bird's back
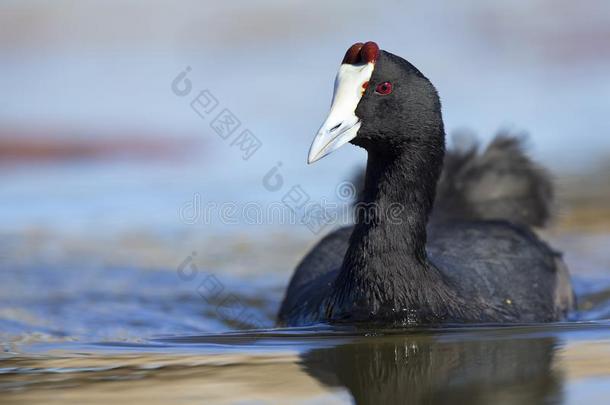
x,y
505,266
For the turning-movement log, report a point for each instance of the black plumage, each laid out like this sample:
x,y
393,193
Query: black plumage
x,y
471,259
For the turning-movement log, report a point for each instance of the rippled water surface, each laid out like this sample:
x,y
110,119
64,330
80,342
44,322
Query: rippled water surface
x,y
147,325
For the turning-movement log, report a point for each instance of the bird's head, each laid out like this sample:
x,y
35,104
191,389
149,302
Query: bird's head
x,y
380,101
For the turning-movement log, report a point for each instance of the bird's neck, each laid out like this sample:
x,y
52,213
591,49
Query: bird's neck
x,y
397,200
385,273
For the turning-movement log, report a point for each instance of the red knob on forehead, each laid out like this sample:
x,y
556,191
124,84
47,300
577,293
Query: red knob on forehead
x,y
362,53
369,52
352,56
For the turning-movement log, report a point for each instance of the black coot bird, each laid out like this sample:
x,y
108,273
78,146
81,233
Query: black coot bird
x,y
471,260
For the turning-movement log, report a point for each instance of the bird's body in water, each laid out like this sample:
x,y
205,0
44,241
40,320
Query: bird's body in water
x,y
467,257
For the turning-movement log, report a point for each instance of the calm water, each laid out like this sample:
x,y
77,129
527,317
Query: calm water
x,y
81,327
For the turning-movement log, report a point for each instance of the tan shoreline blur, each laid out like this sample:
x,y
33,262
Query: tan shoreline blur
x,y
19,147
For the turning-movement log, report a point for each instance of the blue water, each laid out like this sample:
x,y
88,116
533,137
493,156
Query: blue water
x,y
78,326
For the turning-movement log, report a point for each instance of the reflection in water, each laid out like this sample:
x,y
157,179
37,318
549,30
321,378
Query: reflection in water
x,y
556,363
429,370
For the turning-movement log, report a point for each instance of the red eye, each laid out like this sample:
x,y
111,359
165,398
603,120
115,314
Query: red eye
x,y
384,88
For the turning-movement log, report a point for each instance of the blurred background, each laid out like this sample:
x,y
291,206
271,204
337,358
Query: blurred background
x,y
104,158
